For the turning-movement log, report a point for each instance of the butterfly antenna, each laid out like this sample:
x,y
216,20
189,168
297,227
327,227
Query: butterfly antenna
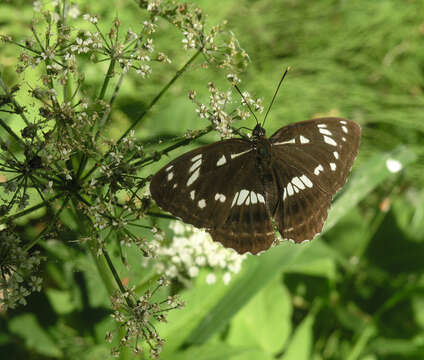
x,y
275,94
244,99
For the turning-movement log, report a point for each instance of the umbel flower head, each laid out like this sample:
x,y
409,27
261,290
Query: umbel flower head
x,y
18,271
190,250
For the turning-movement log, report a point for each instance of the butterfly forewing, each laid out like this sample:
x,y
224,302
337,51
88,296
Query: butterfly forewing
x,y
217,187
312,159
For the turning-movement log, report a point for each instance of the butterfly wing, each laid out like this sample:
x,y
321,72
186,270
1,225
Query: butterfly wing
x,y
311,160
217,187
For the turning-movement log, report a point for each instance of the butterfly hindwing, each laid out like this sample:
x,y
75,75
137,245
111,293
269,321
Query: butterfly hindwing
x,y
312,160
217,187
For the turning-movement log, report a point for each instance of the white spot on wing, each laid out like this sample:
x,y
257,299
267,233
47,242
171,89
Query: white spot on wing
x,y
306,181
284,194
333,166
222,161
220,197
303,140
344,128
195,165
291,141
169,167
336,154
234,199
343,138
298,183
318,169
243,195
343,122
322,125
329,141
174,186
197,157
326,132
261,199
233,156
170,176
193,177
202,203
290,190
192,194
248,200
253,198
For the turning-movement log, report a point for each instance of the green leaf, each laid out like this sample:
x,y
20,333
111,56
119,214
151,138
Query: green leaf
x,y
216,351
36,339
253,354
61,301
265,321
300,346
257,271
317,259
199,301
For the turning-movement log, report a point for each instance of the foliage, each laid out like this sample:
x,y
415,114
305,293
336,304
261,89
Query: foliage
x,y
91,104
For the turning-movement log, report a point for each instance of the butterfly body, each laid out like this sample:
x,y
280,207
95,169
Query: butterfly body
x,y
238,189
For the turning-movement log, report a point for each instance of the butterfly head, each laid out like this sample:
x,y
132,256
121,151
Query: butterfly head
x,y
258,131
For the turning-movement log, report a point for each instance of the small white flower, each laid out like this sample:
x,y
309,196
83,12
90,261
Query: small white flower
x,y
226,278
193,271
37,5
74,11
211,279
393,165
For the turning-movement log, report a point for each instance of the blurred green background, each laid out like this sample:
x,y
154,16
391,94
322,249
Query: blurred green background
x,y
357,292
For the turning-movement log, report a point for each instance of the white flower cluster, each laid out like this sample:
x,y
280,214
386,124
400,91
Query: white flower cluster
x,y
192,249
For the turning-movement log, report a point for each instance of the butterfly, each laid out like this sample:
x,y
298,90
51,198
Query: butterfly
x,y
240,189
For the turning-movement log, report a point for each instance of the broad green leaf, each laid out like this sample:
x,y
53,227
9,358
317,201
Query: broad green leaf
x,y
36,338
265,322
317,267
61,301
300,345
199,300
256,272
253,354
317,259
218,351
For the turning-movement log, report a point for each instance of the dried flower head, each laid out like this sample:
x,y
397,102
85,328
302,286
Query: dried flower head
x,y
137,316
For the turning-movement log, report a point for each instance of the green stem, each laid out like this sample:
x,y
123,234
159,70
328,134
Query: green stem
x,y
51,224
154,101
370,329
116,276
11,132
175,146
108,76
158,96
29,210
18,109
103,269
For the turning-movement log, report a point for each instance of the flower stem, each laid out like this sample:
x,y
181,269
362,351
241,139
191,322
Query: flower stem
x,y
108,76
158,96
116,277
